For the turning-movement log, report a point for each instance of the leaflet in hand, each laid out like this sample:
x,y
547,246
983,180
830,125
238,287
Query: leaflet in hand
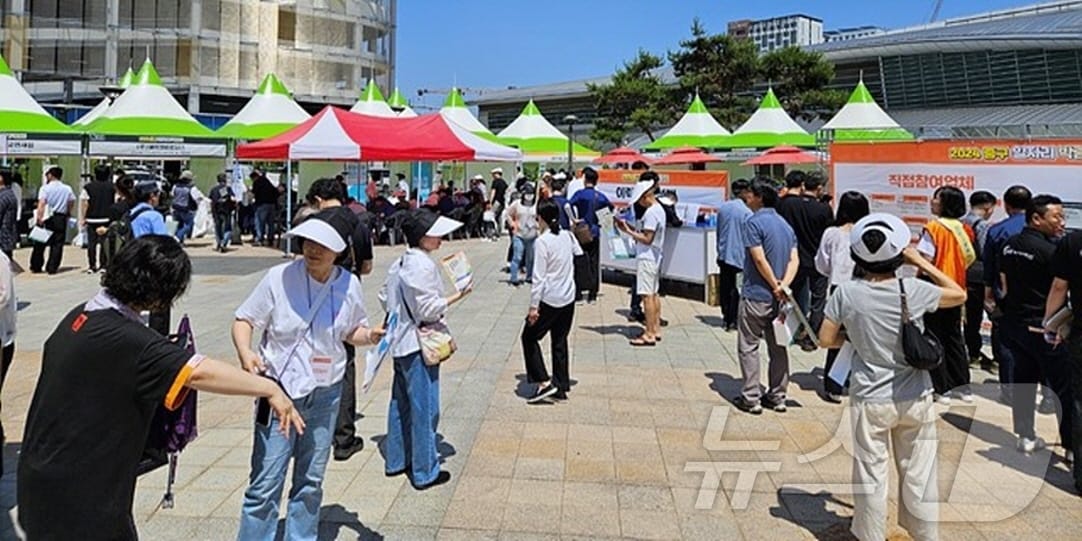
x,y
617,244
373,359
458,268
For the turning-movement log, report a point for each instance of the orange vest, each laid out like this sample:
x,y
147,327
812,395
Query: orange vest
x,y
954,251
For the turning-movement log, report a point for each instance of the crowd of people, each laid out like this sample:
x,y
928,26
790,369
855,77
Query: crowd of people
x,y
781,249
842,269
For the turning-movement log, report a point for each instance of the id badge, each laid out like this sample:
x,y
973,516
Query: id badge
x,y
321,370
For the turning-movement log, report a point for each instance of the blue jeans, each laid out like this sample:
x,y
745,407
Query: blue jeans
x,y
271,454
264,222
185,224
521,258
412,419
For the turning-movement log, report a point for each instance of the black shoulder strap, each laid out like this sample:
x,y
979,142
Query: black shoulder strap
x,y
905,301
132,216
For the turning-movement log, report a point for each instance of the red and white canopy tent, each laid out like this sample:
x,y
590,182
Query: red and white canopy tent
x,y
623,155
338,135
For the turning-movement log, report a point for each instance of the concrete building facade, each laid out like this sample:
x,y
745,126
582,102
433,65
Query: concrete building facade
x,y
779,32
211,53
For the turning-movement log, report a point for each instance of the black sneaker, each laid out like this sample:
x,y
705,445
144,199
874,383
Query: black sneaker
x,y
542,393
747,406
776,405
637,317
344,452
442,478
560,395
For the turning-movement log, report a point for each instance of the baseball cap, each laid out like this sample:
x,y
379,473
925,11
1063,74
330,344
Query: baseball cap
x,y
478,177
146,188
497,170
641,188
895,231
425,223
187,175
319,231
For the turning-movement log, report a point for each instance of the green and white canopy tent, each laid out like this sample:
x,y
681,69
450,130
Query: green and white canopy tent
x,y
372,103
454,109
124,82
697,128
398,101
863,120
769,127
271,111
26,129
147,122
539,140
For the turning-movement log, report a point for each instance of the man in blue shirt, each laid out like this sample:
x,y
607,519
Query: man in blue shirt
x,y
731,217
585,204
145,220
1015,201
770,266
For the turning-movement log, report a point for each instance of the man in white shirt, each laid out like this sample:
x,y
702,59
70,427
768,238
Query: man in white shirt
x,y
649,240
55,202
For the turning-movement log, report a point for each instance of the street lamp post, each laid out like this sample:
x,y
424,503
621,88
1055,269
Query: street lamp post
x,y
570,120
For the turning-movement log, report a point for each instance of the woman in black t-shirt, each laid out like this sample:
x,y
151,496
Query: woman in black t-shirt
x,y
103,375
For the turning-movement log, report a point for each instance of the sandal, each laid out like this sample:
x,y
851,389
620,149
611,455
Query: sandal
x,y
641,342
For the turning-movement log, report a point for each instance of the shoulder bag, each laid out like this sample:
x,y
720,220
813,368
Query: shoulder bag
x,y
922,350
437,344
581,229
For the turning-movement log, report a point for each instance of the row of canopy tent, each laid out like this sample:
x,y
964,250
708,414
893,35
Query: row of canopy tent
x,y
861,119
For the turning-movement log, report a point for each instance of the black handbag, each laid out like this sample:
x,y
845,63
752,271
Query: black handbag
x,y
922,349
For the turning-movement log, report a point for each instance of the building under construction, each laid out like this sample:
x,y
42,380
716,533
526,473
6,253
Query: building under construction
x,y
210,53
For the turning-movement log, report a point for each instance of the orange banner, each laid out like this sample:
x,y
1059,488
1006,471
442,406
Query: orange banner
x,y
992,152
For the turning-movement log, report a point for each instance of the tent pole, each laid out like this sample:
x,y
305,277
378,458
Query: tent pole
x,y
289,206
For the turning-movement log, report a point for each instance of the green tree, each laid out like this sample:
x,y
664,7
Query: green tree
x,y
635,100
722,69
799,79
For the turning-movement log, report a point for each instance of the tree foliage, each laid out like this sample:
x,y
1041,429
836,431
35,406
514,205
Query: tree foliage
x,y
635,100
799,79
723,71
719,68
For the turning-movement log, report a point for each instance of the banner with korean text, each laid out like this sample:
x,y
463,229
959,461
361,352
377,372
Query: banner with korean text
x,y
899,178
696,191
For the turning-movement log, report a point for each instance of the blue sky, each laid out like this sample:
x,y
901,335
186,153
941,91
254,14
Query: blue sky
x,y
497,43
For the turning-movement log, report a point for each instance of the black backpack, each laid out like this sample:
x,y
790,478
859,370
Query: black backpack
x,y
120,230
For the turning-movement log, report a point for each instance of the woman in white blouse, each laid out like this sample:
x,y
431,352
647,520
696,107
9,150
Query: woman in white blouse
x,y
307,308
836,263
414,290
552,304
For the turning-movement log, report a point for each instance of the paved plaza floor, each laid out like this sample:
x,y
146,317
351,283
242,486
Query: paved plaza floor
x,y
646,448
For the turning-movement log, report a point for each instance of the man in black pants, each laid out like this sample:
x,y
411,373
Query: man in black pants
x,y
97,200
1066,269
1026,267
731,251
586,203
809,219
981,205
56,198
327,195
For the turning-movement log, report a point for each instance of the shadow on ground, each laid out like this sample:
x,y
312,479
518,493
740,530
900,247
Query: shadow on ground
x,y
809,511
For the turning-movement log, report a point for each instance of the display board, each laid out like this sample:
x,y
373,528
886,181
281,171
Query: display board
x,y
702,191
899,178
155,147
19,144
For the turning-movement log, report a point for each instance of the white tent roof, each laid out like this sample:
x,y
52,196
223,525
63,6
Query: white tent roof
x,y
372,103
861,113
770,118
271,105
454,109
531,124
697,121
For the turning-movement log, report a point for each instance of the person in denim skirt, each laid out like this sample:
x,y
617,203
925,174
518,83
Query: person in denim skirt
x,y
414,290
307,309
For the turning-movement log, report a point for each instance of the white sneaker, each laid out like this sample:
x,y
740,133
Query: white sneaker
x,y
1068,457
1027,445
943,400
967,398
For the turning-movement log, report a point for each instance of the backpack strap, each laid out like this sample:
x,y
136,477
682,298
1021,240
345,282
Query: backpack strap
x,y
905,301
